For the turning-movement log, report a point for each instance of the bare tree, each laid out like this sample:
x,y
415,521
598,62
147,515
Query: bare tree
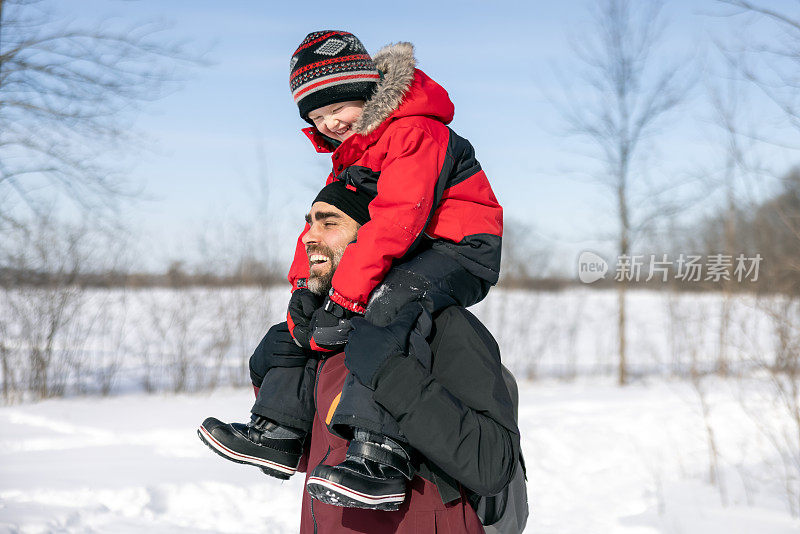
x,y
772,67
65,99
67,96
627,93
727,101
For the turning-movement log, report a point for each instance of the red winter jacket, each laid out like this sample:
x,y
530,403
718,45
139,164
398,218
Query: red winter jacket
x,y
426,178
422,512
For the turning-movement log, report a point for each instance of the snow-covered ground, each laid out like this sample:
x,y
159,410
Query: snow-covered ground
x,y
601,459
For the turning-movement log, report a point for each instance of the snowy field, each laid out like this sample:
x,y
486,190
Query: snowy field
x,y
121,341
600,460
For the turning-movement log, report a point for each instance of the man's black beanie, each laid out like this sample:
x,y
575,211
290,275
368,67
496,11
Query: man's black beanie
x,y
353,203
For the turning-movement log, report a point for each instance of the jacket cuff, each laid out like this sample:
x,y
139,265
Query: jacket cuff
x,y
298,283
346,303
399,384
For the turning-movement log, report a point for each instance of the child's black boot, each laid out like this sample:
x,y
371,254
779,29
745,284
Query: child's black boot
x,y
275,448
374,474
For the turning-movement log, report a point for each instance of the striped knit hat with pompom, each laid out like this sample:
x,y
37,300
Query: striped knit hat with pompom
x,y
328,67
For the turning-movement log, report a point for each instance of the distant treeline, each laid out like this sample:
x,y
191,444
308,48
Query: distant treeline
x,y
171,278
176,278
762,286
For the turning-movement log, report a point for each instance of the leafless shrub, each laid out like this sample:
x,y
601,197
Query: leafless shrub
x,y
199,338
250,322
571,329
39,315
176,342
782,374
715,476
108,327
515,319
10,387
216,347
686,327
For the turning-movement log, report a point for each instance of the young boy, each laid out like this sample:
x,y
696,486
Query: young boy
x,y
433,236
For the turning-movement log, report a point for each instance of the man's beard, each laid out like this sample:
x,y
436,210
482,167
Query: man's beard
x,y
320,284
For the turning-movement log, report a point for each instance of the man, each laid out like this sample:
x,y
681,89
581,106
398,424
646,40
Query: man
x,y
447,398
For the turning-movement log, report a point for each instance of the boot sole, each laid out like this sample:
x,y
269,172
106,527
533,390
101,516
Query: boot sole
x,y
329,492
273,469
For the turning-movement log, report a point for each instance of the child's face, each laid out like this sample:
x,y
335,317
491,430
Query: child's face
x,y
336,120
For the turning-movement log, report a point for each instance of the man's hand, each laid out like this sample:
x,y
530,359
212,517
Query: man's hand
x,y
302,306
277,349
330,326
371,346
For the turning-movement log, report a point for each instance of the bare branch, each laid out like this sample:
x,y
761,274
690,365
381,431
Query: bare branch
x,y
749,6
66,98
777,61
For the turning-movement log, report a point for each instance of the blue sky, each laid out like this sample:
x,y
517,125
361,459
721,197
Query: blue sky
x,y
233,123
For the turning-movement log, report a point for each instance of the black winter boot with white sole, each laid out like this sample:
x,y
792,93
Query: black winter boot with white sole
x,y
374,475
276,449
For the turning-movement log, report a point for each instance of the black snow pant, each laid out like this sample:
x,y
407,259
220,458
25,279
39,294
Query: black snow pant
x,y
434,279
286,394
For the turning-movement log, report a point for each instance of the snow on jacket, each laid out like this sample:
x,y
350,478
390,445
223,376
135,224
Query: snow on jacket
x,y
459,417
427,180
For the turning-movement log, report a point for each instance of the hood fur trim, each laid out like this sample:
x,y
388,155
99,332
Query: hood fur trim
x,y
397,63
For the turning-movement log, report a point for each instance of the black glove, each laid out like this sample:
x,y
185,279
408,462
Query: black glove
x,y
302,306
277,349
330,326
370,347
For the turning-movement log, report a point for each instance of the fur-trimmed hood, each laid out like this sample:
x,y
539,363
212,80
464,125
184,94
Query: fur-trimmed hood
x,y
402,84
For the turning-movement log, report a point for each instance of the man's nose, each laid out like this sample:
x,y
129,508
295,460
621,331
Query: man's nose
x,y
331,123
310,236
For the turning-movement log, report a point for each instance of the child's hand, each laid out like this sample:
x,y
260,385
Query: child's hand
x,y
302,306
330,326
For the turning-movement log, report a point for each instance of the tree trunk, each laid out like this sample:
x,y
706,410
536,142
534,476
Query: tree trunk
x,y
722,366
623,371
624,250
1,38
